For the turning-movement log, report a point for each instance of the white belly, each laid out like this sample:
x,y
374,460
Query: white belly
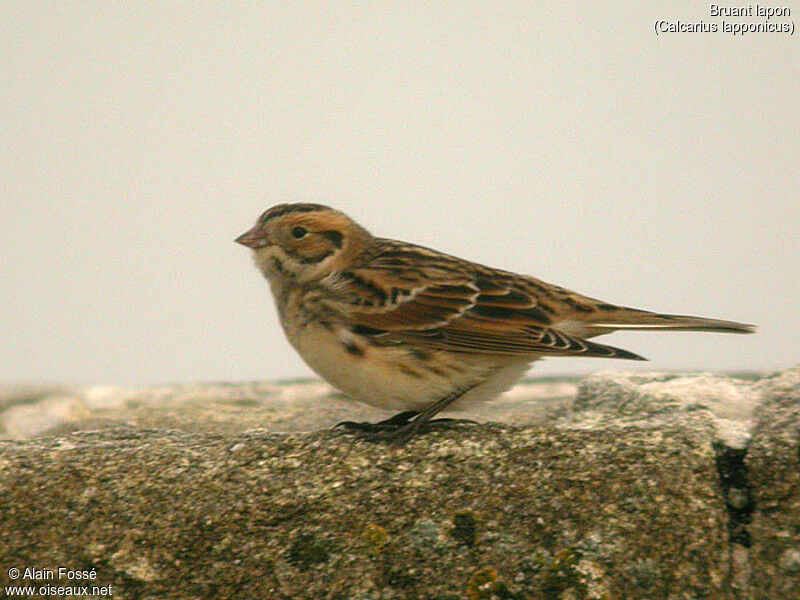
x,y
390,377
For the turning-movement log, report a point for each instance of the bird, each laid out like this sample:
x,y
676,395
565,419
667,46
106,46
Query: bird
x,y
403,327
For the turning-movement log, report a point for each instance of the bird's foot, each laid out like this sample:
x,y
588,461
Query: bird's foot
x,y
391,424
401,427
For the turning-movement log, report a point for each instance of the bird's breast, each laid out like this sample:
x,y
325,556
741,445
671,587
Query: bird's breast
x,y
396,376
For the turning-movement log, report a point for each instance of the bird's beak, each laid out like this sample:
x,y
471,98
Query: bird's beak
x,y
254,238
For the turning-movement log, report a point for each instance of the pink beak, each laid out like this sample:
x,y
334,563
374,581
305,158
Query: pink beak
x,y
254,238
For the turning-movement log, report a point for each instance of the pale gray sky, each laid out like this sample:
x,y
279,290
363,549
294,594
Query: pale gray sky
x,y
566,142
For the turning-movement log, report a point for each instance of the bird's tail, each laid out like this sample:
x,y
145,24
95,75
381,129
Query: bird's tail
x,y
623,318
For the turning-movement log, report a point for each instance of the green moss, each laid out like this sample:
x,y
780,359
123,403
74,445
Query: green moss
x,y
561,574
375,539
486,585
478,587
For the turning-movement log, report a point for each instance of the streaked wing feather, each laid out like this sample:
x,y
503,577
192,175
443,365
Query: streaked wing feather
x,y
467,311
418,308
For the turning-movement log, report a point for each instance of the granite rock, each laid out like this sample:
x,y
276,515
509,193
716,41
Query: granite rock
x,y
301,405
773,463
490,511
638,486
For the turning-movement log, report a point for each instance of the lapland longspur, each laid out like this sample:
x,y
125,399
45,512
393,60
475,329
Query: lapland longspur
x,y
408,328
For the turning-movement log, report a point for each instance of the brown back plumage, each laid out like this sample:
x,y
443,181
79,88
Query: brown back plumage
x,y
403,292
399,292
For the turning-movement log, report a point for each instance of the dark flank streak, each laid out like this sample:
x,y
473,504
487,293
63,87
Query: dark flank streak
x,y
410,372
354,349
419,354
457,369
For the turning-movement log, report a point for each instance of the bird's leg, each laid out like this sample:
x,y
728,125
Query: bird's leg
x,y
403,426
424,419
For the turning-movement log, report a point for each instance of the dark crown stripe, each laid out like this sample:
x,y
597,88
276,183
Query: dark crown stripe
x,y
285,209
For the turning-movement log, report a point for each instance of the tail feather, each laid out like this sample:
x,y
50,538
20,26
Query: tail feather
x,y
641,320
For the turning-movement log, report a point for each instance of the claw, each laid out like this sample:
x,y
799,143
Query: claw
x,y
400,428
391,424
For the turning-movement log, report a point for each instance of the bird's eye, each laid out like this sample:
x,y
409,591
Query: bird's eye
x,y
299,232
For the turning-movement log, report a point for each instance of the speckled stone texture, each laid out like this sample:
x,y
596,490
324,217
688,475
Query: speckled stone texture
x,y
641,486
536,513
35,411
773,461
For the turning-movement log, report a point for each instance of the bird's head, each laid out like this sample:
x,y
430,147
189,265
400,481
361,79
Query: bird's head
x,y
304,242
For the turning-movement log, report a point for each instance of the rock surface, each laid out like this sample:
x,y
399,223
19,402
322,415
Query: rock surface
x,y
29,412
638,486
773,464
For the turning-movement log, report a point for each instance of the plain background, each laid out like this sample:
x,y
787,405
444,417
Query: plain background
x,y
566,142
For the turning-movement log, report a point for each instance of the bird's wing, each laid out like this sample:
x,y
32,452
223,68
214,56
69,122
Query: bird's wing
x,y
454,305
